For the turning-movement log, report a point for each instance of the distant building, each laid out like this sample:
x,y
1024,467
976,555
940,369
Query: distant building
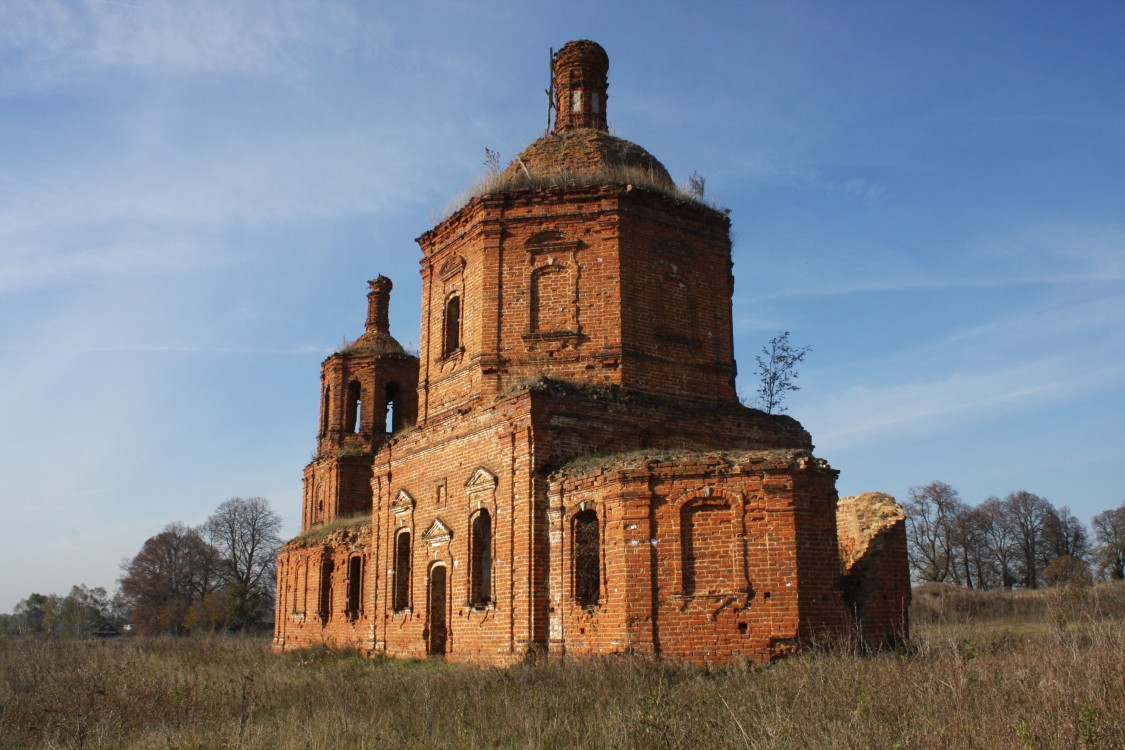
x,y
566,468
105,630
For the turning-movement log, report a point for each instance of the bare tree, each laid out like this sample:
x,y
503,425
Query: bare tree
x,y
931,513
1026,515
1065,535
777,369
998,540
1109,539
247,534
973,565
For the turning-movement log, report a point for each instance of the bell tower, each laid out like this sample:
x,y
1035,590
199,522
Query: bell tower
x,y
368,392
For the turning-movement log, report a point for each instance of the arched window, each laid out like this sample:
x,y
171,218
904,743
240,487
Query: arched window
x,y
353,414
394,414
480,559
355,586
326,569
301,592
401,599
587,558
324,407
451,338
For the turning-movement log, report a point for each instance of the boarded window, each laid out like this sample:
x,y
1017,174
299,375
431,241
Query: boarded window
x,y
707,539
480,561
551,300
587,558
401,598
355,586
451,340
353,408
325,607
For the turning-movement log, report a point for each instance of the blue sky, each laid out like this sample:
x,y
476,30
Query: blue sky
x,y
193,195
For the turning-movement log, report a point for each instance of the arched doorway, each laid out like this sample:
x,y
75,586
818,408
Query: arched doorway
x,y
438,609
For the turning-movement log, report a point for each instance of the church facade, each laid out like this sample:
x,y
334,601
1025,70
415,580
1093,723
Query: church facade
x,y
565,468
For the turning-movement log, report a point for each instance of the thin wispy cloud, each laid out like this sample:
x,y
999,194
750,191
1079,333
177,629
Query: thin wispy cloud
x,y
1059,252
34,265
933,405
162,215
774,171
298,351
45,43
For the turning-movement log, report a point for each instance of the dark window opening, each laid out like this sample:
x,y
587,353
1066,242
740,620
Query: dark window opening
x,y
353,415
394,415
451,340
587,558
437,611
480,560
401,599
324,408
326,570
355,585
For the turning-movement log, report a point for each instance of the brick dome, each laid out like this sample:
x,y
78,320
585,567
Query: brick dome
x,y
586,155
580,148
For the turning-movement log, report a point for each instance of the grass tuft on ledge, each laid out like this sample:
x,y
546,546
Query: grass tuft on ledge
x,y
316,533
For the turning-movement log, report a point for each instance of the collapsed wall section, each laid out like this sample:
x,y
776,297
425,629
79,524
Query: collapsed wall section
x,y
876,576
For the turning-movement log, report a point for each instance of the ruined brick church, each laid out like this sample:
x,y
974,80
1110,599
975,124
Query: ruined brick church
x,y
565,468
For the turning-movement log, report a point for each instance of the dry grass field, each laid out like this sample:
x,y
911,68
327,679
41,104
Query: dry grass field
x,y
985,670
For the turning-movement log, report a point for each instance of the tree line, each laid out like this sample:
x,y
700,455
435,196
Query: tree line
x,y
220,575
1019,540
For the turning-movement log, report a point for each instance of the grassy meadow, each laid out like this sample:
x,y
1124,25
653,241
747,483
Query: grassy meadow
x,y
984,670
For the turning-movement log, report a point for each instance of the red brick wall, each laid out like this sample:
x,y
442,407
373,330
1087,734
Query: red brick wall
x,y
431,483
676,289
301,620
745,598
576,283
757,527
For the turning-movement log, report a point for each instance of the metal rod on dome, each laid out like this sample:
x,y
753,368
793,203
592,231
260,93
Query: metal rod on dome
x,y
550,91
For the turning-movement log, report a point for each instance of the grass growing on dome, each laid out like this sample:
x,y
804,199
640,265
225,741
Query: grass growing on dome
x,y
604,174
